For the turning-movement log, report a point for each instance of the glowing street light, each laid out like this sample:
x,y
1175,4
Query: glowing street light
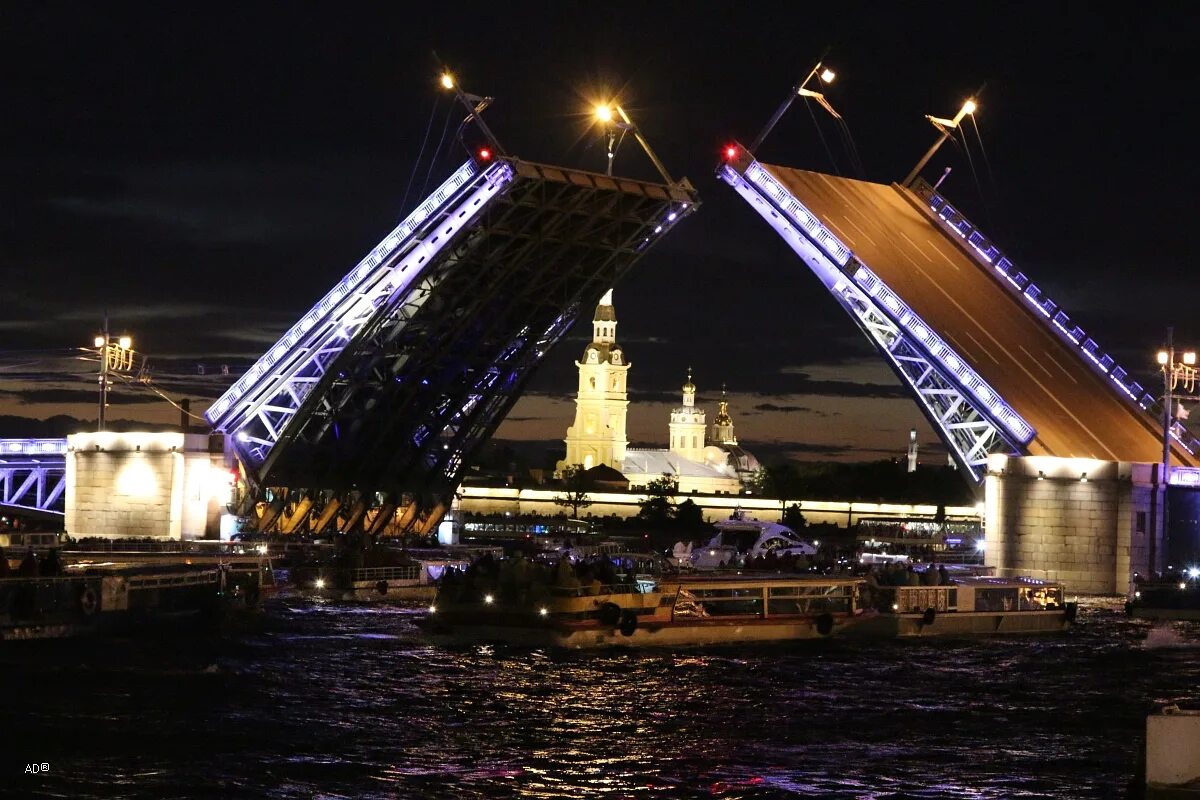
x,y
614,119
116,353
945,126
821,72
447,80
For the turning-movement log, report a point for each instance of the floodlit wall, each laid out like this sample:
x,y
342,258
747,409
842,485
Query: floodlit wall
x,y
144,484
1085,522
497,500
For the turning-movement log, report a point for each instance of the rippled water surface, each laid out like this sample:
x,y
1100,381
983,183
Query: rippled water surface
x,y
325,701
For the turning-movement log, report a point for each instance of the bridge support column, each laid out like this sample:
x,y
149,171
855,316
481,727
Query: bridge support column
x,y
144,484
1085,522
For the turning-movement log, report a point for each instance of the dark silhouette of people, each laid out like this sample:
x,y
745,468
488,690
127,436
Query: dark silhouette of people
x,y
29,565
5,570
51,565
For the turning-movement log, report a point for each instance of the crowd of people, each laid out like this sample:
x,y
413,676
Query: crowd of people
x,y
909,575
50,565
518,579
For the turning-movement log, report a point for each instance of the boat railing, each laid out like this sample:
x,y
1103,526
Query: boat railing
x,y
164,580
630,587
409,572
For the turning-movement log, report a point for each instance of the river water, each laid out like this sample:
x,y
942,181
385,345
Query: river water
x,y
350,702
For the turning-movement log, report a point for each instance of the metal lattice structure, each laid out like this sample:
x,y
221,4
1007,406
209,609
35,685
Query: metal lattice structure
x,y
33,474
401,371
971,417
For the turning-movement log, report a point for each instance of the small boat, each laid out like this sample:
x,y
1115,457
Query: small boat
x,y
417,581
740,538
678,610
1173,597
108,597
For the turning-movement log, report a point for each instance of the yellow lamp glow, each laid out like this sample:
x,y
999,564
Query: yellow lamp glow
x,y
1162,356
99,341
1189,357
827,75
969,107
447,80
126,342
604,113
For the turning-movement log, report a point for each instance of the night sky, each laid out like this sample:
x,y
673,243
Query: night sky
x,y
206,175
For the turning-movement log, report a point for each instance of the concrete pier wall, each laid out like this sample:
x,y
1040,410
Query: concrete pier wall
x,y
144,484
1088,523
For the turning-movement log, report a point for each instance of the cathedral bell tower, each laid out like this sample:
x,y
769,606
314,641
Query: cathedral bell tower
x,y
687,425
598,435
722,432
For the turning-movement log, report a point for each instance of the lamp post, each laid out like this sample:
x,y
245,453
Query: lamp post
x,y
799,90
945,126
1174,372
116,352
614,118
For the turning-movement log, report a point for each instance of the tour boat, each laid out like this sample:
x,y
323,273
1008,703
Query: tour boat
x,y
674,611
740,538
107,597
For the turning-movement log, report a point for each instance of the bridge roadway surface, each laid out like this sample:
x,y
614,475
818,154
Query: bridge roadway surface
x,y
1075,410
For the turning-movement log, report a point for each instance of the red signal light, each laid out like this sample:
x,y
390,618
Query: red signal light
x,y
485,154
730,152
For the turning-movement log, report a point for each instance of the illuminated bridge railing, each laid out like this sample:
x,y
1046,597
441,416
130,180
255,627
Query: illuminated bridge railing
x,y
971,417
258,408
33,474
1053,315
893,306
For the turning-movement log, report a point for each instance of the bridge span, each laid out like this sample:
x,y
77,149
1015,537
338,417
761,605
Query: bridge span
x,y
995,364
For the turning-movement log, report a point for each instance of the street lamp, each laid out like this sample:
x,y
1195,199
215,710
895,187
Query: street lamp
x,y
1174,373
614,119
820,71
116,353
945,126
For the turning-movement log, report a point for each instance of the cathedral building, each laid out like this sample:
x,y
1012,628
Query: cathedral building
x,y
696,461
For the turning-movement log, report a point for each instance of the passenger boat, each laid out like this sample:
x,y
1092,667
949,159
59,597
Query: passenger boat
x,y
740,538
416,581
110,597
674,611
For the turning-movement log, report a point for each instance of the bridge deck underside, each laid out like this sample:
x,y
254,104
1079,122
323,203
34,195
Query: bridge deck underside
x,y
436,372
1074,410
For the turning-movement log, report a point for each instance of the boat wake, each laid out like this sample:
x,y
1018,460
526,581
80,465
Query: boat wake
x,y
1163,637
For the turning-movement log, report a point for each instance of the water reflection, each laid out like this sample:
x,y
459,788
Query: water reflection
x,y
352,702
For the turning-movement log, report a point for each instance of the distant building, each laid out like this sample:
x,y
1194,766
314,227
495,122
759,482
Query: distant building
x,y
698,463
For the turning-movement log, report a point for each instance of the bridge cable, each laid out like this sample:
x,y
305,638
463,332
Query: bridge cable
x,y
437,98
821,135
437,152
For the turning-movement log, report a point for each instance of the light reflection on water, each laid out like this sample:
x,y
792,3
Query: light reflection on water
x,y
326,701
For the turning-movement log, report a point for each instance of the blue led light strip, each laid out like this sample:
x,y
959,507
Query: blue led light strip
x,y
32,447
890,303
1071,334
346,287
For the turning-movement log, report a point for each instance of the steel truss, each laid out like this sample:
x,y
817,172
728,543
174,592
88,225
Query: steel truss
x,y
972,419
33,474
389,393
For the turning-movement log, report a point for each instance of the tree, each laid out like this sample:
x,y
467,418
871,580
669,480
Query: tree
x,y
657,508
793,518
576,487
783,482
689,515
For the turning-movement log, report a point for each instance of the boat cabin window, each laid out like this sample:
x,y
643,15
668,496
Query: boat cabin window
x,y
996,599
809,599
719,602
742,540
777,543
